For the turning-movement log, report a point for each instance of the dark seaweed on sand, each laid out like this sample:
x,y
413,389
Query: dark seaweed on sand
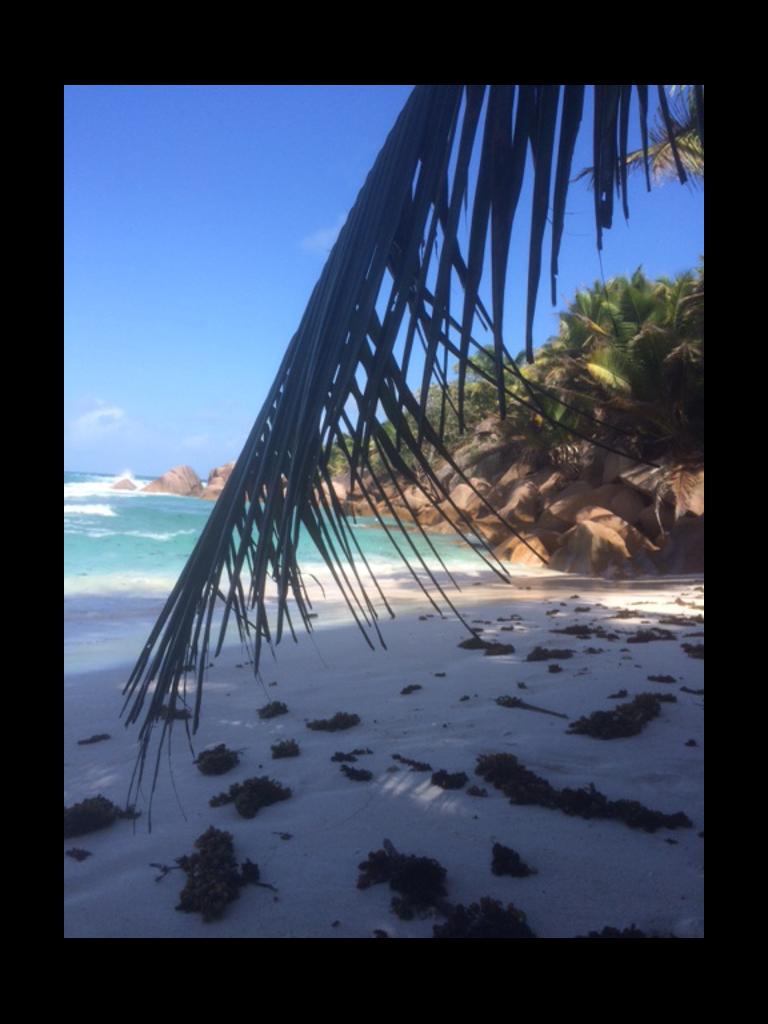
x,y
218,760
546,654
523,786
420,881
507,861
357,774
91,815
625,933
77,854
487,919
694,650
251,795
624,720
273,709
491,648
415,766
94,739
446,780
645,636
285,748
341,720
213,877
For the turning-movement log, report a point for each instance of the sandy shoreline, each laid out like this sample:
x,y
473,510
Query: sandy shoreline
x,y
590,873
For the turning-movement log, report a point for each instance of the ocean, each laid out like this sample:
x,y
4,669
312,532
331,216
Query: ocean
x,y
124,550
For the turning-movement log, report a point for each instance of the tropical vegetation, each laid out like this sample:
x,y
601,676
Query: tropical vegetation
x,y
404,273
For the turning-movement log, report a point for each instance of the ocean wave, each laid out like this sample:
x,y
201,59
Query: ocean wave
x,y
89,510
158,536
103,486
122,585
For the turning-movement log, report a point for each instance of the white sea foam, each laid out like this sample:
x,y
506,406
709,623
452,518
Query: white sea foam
x,y
158,536
89,510
103,486
123,585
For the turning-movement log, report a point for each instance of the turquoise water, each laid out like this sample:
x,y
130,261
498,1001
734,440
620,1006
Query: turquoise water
x,y
124,550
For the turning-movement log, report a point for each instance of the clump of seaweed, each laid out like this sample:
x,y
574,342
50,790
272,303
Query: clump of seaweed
x,y
546,654
415,766
492,650
645,636
522,786
357,774
77,854
662,679
446,780
488,919
626,933
273,709
581,631
218,760
624,720
410,689
285,748
694,650
420,881
213,878
507,861
341,720
173,714
490,647
474,643
251,795
91,815
352,756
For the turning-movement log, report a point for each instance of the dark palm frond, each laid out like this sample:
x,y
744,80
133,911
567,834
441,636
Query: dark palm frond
x,y
395,279
674,146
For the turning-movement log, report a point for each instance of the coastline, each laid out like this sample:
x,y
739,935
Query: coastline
x,y
592,873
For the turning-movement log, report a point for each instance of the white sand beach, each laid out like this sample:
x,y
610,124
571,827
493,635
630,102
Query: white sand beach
x,y
590,873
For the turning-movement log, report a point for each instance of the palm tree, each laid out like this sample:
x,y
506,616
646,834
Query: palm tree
x,y
346,369
675,139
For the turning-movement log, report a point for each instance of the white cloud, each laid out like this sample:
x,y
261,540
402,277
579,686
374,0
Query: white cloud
x,y
102,420
322,240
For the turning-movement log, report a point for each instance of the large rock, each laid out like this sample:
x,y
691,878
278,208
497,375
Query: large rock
x,y
614,465
527,549
502,486
466,499
561,513
217,479
124,485
181,480
523,504
549,481
592,549
627,503
633,538
648,522
683,551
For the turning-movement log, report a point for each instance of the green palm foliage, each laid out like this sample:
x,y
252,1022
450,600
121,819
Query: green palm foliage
x,y
403,277
675,140
634,349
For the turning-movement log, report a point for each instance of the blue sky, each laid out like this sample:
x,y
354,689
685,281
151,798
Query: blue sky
x,y
197,221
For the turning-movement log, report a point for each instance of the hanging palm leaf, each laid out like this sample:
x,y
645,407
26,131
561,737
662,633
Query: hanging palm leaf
x,y
396,278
